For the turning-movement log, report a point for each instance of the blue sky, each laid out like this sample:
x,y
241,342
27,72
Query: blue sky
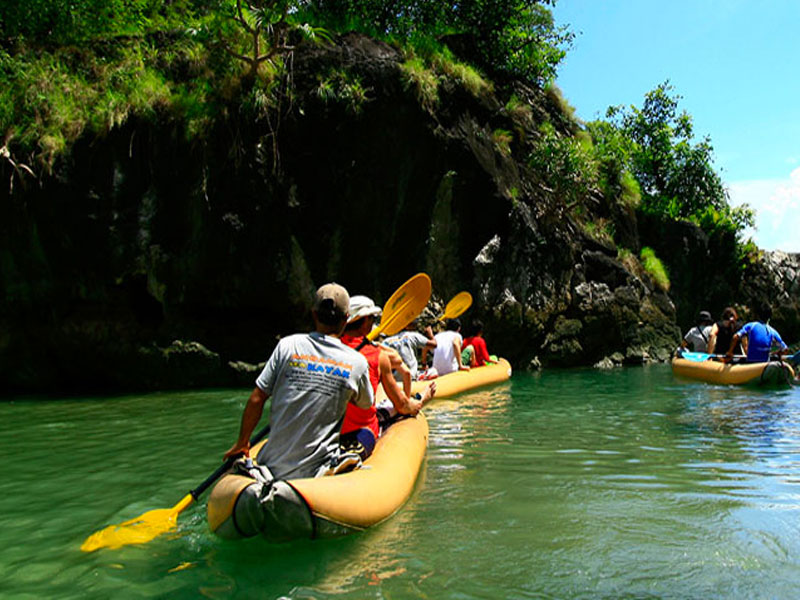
x,y
736,66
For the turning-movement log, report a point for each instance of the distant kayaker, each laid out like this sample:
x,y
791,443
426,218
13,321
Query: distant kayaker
x,y
761,336
721,334
361,426
409,342
696,339
475,353
447,354
311,378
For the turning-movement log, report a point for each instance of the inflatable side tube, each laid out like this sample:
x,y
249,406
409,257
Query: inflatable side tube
x,y
242,507
367,496
461,381
738,374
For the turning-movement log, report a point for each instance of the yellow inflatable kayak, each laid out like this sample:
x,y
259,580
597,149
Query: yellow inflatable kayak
x,y
462,381
696,365
242,506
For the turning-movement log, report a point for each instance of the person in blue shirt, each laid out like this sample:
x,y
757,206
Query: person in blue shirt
x,y
760,336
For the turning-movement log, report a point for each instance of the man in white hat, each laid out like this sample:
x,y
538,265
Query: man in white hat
x,y
361,427
312,378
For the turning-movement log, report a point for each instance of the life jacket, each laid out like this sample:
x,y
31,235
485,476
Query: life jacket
x,y
355,417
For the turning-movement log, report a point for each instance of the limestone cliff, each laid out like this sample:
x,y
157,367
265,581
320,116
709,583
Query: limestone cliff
x,y
152,260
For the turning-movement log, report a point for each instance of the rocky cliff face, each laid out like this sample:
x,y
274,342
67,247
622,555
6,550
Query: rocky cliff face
x,y
776,278
150,261
706,276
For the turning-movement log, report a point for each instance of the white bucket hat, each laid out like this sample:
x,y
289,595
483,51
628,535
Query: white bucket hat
x,y
361,306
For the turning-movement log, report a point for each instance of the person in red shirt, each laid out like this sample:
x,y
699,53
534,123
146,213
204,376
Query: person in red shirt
x,y
361,428
475,353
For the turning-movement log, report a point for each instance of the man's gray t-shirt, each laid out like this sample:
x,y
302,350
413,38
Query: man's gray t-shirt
x,y
406,343
311,378
697,338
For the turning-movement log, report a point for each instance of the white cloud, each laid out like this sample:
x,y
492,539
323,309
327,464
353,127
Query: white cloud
x,y
777,206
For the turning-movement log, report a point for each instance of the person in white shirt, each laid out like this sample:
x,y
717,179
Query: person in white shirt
x,y
447,354
696,339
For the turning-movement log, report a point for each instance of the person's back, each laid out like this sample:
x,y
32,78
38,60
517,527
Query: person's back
x,y
760,336
311,379
447,354
407,343
360,428
721,335
356,417
479,354
696,339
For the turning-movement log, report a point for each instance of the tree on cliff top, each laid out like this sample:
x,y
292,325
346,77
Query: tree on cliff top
x,y
267,26
74,67
676,175
516,38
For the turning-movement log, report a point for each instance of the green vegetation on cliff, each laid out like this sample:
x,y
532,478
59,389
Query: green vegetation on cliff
x,y
676,176
516,38
655,268
646,160
85,66
73,68
68,69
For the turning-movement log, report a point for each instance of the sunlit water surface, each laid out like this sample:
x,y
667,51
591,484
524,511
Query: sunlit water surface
x,y
566,484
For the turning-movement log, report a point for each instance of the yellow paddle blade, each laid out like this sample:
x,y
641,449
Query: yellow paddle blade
x,y
404,305
137,531
457,306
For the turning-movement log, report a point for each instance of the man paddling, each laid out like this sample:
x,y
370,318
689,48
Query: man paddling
x,y
312,378
361,426
761,336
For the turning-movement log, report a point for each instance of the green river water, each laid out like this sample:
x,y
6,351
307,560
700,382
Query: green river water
x,y
565,484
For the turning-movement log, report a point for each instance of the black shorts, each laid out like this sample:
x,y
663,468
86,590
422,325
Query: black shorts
x,y
360,441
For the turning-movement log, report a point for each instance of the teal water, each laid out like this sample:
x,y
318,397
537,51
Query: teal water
x,y
566,484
